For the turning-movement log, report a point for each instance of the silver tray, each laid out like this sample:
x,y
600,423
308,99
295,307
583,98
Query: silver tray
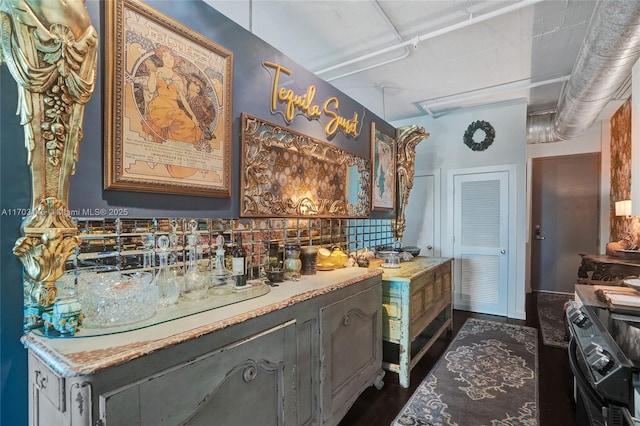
x,y
634,283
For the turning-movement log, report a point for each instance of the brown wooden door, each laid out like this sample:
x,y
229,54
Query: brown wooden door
x,y
564,218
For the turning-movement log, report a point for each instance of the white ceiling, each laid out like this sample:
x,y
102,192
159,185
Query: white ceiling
x,y
403,59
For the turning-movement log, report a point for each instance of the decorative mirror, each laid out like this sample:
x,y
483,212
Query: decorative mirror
x,y
288,174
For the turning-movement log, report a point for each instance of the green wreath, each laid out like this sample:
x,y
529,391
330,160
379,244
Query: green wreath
x,y
489,131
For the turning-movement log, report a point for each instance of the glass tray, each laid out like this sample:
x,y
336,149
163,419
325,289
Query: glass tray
x,y
254,288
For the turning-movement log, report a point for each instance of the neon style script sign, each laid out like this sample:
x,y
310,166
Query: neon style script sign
x,y
303,103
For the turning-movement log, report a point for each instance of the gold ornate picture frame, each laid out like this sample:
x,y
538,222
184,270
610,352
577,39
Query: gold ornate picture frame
x,y
383,173
289,174
168,105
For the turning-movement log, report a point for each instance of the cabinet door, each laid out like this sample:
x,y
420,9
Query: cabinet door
x,y
430,293
216,387
351,350
46,394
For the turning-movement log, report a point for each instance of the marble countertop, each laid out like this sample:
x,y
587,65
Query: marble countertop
x,y
76,356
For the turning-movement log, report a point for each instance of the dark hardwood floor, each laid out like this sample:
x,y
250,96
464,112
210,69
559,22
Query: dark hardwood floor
x,y
380,407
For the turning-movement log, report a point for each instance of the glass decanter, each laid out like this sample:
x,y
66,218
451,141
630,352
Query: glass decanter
x,y
174,241
165,280
222,277
194,284
148,242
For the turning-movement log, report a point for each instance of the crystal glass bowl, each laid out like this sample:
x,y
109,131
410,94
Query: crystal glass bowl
x,y
113,299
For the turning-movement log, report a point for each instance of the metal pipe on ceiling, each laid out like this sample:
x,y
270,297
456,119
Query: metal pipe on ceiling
x,y
610,49
400,57
414,41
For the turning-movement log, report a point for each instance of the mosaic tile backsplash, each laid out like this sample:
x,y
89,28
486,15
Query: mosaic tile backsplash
x,y
131,244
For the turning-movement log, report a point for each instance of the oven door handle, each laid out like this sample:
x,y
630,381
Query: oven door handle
x,y
583,383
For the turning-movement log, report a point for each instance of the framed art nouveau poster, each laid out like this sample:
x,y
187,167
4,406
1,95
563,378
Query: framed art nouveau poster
x,y
168,105
383,160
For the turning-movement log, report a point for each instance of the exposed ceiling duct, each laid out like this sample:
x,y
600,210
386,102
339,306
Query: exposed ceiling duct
x,y
610,48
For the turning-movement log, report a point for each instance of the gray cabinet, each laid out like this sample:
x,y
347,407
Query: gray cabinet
x,y
351,351
300,355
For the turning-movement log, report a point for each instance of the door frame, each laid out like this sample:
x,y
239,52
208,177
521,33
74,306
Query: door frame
x,y
437,207
600,209
512,282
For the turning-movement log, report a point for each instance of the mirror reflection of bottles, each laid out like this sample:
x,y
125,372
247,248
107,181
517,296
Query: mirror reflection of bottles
x,y
275,255
239,263
165,280
194,283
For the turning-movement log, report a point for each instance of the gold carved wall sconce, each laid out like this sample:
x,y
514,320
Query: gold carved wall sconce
x,y
408,139
50,48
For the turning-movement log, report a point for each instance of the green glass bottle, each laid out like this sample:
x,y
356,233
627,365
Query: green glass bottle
x,y
239,263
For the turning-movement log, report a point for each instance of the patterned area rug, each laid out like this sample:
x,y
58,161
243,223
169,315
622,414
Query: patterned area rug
x,y
487,376
551,317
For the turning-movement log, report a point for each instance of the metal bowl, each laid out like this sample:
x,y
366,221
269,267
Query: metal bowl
x,y
275,275
413,250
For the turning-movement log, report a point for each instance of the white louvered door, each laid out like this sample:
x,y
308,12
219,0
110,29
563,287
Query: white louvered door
x,y
481,242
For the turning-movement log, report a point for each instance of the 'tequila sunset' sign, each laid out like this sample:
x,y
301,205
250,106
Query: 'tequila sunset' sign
x,y
303,103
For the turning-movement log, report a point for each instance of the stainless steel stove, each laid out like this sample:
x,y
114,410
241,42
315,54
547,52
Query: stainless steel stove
x,y
604,354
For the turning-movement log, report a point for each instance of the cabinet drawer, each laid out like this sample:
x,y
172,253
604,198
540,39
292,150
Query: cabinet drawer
x,y
392,307
391,316
46,383
391,330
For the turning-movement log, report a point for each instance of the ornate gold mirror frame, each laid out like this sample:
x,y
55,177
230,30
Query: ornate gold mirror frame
x,y
50,48
288,174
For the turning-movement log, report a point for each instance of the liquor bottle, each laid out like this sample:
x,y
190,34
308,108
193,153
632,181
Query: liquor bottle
x,y
239,263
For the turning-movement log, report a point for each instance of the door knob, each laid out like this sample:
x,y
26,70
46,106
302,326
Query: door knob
x,y
503,251
429,247
537,233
